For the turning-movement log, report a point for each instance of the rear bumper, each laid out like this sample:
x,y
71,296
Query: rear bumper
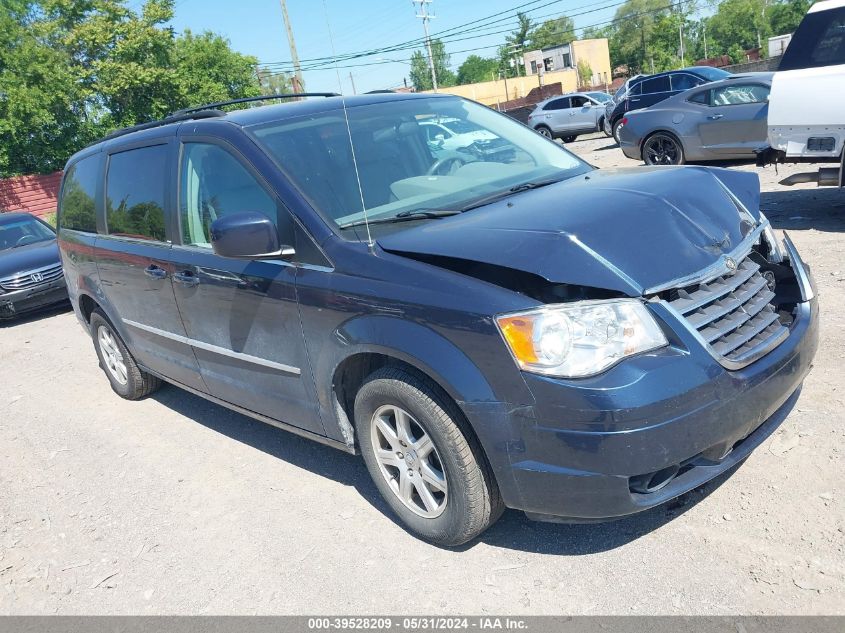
x,y
19,302
586,449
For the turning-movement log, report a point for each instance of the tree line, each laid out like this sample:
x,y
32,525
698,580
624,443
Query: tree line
x,y
72,70
644,37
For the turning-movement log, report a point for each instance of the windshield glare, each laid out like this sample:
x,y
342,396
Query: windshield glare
x,y
402,166
22,232
713,74
599,96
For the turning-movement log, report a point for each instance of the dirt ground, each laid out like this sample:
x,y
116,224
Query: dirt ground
x,y
173,505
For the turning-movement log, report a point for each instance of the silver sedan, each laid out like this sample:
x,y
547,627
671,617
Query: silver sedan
x,y
723,120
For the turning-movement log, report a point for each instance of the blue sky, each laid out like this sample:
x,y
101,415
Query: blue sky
x,y
255,27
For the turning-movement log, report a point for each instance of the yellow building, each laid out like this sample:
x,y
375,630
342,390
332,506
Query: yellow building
x,y
542,68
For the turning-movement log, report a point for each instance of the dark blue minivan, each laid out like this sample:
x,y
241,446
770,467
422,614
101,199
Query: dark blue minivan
x,y
488,329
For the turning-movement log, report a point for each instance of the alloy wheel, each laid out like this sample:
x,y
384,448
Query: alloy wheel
x,y
544,132
661,150
408,461
112,356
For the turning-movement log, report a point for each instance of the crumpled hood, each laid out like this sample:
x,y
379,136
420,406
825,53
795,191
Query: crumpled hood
x,y
621,230
28,257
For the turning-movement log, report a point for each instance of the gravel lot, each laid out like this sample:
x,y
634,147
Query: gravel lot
x,y
175,505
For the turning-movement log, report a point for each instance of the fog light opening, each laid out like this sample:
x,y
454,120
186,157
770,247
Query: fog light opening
x,y
652,482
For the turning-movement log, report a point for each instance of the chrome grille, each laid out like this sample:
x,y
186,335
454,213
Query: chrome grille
x,y
733,315
32,278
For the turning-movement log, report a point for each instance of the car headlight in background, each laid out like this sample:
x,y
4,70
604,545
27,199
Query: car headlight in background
x,y
581,339
775,251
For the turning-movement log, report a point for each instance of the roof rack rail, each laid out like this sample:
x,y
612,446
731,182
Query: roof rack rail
x,y
172,118
220,104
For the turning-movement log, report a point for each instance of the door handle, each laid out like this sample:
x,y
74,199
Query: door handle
x,y
715,117
154,272
187,278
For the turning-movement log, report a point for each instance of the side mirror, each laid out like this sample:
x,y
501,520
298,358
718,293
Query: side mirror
x,y
248,235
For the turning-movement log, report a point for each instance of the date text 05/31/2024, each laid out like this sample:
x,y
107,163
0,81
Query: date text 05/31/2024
x,y
418,623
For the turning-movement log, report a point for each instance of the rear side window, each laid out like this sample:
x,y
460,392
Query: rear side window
x,y
819,41
77,210
682,81
580,102
215,184
655,84
135,193
557,104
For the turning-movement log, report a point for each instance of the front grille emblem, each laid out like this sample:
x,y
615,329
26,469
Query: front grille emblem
x,y
37,278
730,263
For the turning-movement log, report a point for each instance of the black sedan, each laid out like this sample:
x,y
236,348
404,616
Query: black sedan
x,y
30,267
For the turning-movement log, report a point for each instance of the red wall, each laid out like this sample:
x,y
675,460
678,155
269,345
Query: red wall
x,y
36,194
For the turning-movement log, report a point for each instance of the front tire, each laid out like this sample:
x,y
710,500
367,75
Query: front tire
x,y
126,378
428,467
569,139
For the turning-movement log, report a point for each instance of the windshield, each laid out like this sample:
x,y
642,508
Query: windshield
x,y
24,231
711,74
403,169
601,97
461,127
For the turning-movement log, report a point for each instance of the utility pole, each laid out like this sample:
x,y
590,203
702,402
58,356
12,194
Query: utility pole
x,y
704,30
298,84
352,81
426,16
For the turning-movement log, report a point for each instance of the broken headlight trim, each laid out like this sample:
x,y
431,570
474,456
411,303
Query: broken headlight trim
x,y
775,255
581,339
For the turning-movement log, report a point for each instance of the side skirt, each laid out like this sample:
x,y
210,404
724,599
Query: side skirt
x,y
257,416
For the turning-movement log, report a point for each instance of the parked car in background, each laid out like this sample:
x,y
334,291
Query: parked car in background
x,y
524,332
30,265
647,90
806,116
717,121
567,116
453,138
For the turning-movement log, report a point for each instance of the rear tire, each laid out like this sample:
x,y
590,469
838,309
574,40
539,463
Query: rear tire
x,y
662,148
424,461
126,378
542,130
617,127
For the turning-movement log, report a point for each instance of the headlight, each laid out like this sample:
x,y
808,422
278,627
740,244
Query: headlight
x,y
775,252
581,339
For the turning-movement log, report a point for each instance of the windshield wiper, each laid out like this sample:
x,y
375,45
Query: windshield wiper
x,y
525,186
403,216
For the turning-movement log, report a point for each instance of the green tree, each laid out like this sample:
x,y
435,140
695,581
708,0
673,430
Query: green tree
x,y
785,16
70,70
585,74
274,83
635,28
420,72
476,69
737,24
555,32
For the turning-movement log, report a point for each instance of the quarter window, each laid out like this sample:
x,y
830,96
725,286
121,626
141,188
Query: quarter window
x,y
77,208
739,94
135,193
215,184
702,97
682,81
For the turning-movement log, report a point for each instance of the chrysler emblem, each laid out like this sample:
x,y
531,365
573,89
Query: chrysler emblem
x,y
731,264
37,277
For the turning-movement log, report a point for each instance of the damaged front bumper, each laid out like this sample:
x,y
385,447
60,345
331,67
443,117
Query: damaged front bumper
x,y
652,428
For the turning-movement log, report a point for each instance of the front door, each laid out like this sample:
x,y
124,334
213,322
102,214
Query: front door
x,y
241,316
582,114
133,261
734,124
